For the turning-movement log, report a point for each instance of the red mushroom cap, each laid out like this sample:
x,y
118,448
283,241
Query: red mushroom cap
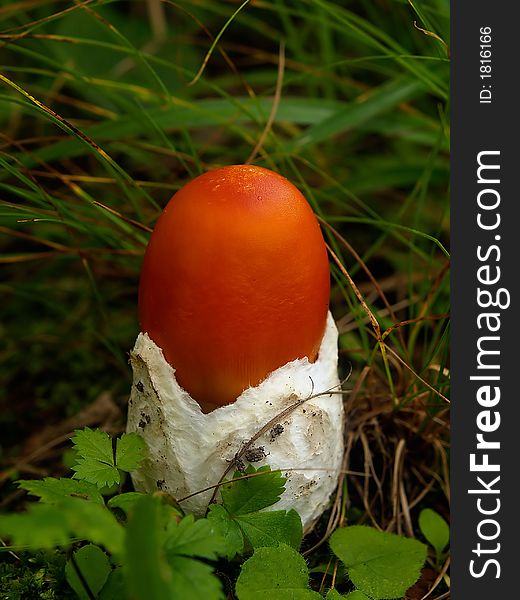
x,y
235,281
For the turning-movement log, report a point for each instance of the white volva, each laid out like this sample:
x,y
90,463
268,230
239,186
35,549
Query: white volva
x,y
189,450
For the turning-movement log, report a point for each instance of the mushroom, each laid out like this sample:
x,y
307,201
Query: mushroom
x,y
233,307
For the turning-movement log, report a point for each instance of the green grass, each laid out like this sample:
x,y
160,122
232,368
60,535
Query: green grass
x,y
100,125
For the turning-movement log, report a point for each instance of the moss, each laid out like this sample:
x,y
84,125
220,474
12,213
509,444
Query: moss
x,y
38,577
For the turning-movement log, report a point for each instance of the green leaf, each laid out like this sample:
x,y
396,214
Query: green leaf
x,y
115,587
149,575
94,444
93,522
382,565
42,527
194,579
334,595
435,529
229,530
46,526
130,451
242,499
94,471
271,528
157,568
194,538
94,567
96,463
110,490
279,573
245,496
51,490
125,502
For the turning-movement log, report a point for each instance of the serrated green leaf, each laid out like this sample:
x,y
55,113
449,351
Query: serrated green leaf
x,y
194,538
125,502
130,451
435,529
46,526
94,567
382,565
96,472
229,530
95,458
94,444
194,579
279,573
51,490
112,489
249,495
271,528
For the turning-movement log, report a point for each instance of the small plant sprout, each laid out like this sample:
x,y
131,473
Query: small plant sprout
x,y
236,362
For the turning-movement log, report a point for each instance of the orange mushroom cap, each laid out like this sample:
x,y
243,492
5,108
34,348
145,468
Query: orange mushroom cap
x,y
235,281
